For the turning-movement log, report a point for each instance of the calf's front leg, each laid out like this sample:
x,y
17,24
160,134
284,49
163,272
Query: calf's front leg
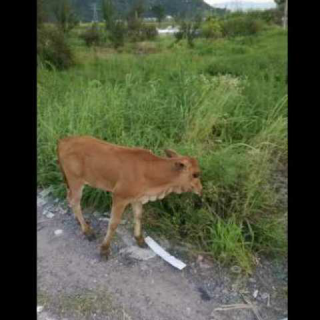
x,y
137,212
118,207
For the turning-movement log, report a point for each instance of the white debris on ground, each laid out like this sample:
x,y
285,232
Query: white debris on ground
x,y
39,309
164,254
50,215
168,30
58,232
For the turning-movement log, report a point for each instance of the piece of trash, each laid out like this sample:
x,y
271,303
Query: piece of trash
x,y
164,254
122,222
235,269
104,219
255,293
50,215
58,232
39,309
40,202
45,192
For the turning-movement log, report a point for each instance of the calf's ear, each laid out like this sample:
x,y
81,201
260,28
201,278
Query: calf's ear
x,y
171,153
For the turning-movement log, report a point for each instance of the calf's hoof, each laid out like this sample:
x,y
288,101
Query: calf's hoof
x,y
104,252
141,243
90,235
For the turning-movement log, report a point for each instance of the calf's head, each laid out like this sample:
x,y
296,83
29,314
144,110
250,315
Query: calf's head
x,y
188,172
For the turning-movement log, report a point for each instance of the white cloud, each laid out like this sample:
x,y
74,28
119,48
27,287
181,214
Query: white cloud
x,y
242,4
239,1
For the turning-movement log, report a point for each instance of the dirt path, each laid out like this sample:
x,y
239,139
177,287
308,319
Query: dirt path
x,y
74,283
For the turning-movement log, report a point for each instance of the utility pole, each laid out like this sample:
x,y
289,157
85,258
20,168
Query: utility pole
x,y
285,18
95,13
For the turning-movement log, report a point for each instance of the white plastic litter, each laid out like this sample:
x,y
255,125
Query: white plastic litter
x,y
58,232
39,309
50,215
164,254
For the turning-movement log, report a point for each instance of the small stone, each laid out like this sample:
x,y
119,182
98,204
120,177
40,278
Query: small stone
x,y
252,280
200,258
265,295
58,232
205,265
40,202
39,309
188,311
235,269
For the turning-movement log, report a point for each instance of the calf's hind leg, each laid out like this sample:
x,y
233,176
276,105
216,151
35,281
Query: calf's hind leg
x,y
74,197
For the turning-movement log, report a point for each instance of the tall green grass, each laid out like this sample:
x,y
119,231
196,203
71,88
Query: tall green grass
x,y
226,107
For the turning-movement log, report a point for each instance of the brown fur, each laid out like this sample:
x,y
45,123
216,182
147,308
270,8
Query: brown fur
x,y
134,176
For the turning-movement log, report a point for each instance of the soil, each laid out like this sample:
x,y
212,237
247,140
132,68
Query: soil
x,y
75,283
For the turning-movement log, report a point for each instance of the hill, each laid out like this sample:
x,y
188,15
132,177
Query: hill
x,y
172,7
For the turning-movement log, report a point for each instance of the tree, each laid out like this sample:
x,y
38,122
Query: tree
x,y
283,6
64,15
108,13
159,12
137,10
280,2
40,13
189,30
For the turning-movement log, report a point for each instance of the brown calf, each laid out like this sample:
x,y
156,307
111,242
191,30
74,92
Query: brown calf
x,y
135,176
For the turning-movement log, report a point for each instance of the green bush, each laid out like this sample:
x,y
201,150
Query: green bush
x,y
117,34
53,49
211,29
189,30
150,32
272,16
139,31
92,36
241,26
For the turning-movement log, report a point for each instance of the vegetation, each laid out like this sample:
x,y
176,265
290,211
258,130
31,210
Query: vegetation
x,y
159,12
222,100
64,14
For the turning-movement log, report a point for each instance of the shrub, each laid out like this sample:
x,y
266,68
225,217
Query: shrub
x,y
149,32
92,36
211,29
53,49
272,16
117,34
138,31
241,26
188,30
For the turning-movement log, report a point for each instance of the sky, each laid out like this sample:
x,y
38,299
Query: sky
x,y
219,1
